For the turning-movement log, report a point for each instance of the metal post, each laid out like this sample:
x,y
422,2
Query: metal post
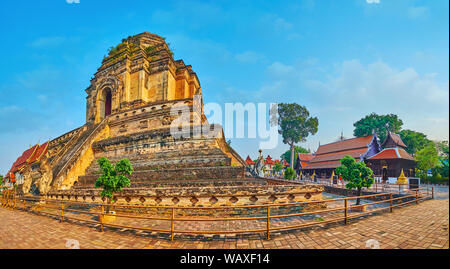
x,y
268,222
15,198
101,218
172,227
62,211
346,211
390,202
8,198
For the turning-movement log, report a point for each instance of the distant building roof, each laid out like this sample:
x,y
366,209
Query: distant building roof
x,y
329,155
392,153
305,157
249,161
23,159
304,164
393,140
39,153
269,160
29,156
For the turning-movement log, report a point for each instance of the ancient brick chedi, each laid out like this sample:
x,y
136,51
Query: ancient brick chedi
x,y
130,108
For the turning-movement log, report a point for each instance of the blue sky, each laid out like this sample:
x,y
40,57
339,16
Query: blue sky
x,y
341,59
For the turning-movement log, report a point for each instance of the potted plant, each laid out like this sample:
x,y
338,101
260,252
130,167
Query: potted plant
x,y
112,180
358,176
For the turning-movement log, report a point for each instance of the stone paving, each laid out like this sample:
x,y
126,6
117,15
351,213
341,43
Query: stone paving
x,y
418,226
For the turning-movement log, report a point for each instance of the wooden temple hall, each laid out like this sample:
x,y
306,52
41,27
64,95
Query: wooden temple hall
x,y
387,160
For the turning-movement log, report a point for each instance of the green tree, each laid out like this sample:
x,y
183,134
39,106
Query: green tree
x,y
427,158
443,168
295,125
278,167
357,174
289,173
443,148
380,123
297,149
414,141
113,178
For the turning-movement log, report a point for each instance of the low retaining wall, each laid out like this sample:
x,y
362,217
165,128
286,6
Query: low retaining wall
x,y
200,196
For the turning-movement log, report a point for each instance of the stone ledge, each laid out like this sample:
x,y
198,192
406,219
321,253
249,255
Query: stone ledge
x,y
201,196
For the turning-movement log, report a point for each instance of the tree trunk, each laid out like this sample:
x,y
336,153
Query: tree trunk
x,y
358,200
292,156
108,201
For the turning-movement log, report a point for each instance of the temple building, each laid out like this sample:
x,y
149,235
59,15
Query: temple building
x,y
249,162
328,156
302,161
389,162
134,97
386,160
269,162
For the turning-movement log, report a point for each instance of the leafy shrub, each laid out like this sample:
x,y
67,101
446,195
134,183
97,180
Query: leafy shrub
x,y
434,180
289,173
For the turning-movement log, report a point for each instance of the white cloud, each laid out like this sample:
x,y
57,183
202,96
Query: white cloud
x,y
352,90
372,1
249,57
276,22
418,12
280,70
44,42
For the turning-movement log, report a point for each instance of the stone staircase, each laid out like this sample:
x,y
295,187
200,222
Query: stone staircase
x,y
74,149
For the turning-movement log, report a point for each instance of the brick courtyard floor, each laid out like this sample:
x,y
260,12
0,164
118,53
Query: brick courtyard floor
x,y
414,227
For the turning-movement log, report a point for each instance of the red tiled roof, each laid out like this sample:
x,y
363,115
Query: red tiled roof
x,y
40,152
249,161
352,143
269,160
355,153
321,165
305,157
285,163
23,159
392,153
304,164
330,155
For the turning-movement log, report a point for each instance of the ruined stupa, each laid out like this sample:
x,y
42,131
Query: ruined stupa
x,y
129,114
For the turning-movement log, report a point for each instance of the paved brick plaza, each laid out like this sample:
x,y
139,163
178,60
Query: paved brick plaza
x,y
421,226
